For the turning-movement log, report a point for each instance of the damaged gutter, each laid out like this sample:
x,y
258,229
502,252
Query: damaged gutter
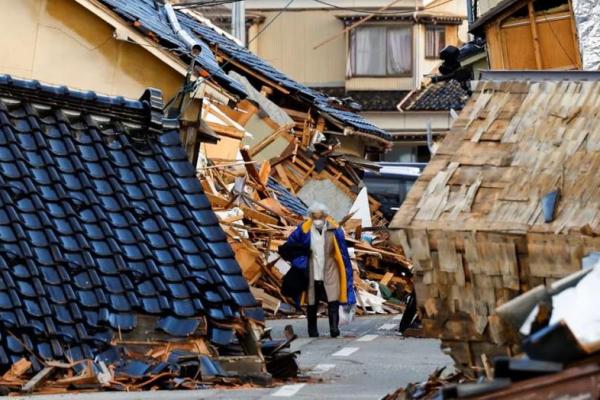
x,y
192,43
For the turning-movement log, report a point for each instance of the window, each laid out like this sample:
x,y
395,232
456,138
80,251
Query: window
x,y
380,50
435,40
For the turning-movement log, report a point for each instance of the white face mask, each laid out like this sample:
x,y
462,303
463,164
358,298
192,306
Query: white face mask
x,y
319,223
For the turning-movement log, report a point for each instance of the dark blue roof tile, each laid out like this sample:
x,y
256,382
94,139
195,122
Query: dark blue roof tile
x,y
87,242
178,327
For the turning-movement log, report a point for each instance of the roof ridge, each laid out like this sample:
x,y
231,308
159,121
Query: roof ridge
x,y
146,111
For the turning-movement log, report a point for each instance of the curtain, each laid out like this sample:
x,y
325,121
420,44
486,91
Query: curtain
x,y
368,51
399,44
435,41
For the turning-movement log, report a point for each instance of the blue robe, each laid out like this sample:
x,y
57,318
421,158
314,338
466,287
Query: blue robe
x,y
302,236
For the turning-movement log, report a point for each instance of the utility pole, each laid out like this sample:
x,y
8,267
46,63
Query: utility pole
x,y
238,21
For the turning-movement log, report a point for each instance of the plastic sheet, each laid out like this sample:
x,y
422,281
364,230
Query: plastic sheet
x,y
347,312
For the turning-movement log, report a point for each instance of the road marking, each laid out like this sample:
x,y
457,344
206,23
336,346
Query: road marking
x,y
322,368
388,327
366,338
345,351
397,317
288,390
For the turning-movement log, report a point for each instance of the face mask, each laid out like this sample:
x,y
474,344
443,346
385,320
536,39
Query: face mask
x,y
319,223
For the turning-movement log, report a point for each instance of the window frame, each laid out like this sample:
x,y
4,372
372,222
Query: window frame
x,y
436,28
388,26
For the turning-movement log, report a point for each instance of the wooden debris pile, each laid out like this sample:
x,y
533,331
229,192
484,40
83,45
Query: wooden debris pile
x,y
125,367
258,208
134,365
428,389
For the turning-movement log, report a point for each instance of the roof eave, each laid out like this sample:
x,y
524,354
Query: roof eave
x,y
477,26
112,19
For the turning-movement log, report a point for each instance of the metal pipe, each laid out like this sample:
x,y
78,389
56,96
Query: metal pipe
x,y
192,43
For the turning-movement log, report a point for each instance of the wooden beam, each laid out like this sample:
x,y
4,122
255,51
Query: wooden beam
x,y
227,131
258,216
38,379
260,146
253,173
284,177
534,35
249,111
254,74
575,36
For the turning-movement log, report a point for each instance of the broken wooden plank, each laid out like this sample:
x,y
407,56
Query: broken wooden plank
x,y
38,379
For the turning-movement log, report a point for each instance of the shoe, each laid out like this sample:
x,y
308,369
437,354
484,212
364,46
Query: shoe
x,y
333,312
311,317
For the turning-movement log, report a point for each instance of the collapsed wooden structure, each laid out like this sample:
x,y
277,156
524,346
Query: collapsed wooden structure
x,y
509,201
258,213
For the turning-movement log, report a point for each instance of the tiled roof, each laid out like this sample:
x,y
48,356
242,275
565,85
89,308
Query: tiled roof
x,y
441,96
103,219
151,18
287,198
369,100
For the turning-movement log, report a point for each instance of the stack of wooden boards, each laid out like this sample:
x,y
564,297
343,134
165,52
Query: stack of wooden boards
x,y
477,224
259,212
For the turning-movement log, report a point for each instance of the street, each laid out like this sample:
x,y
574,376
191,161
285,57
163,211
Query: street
x,y
367,363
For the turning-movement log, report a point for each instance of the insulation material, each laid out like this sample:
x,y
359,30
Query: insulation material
x,y
587,18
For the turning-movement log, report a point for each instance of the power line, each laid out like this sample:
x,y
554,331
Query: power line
x,y
362,11
205,3
375,13
371,15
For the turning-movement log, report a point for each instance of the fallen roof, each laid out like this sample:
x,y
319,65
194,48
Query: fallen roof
x,y
287,198
151,19
102,220
441,96
514,143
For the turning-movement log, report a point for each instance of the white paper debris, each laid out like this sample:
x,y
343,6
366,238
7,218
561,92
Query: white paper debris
x,y
361,208
371,303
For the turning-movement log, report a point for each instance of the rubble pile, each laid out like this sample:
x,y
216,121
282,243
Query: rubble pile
x,y
258,213
560,347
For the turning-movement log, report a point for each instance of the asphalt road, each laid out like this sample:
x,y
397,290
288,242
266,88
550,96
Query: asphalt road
x,y
367,363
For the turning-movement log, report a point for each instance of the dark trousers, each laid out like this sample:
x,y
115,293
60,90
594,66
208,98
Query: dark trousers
x,y
333,308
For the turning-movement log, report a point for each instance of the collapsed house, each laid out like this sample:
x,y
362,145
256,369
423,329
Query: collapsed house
x,y
224,95
276,117
509,202
107,241
143,282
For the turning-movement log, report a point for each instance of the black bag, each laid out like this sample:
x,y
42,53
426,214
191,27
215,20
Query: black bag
x,y
295,280
289,251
